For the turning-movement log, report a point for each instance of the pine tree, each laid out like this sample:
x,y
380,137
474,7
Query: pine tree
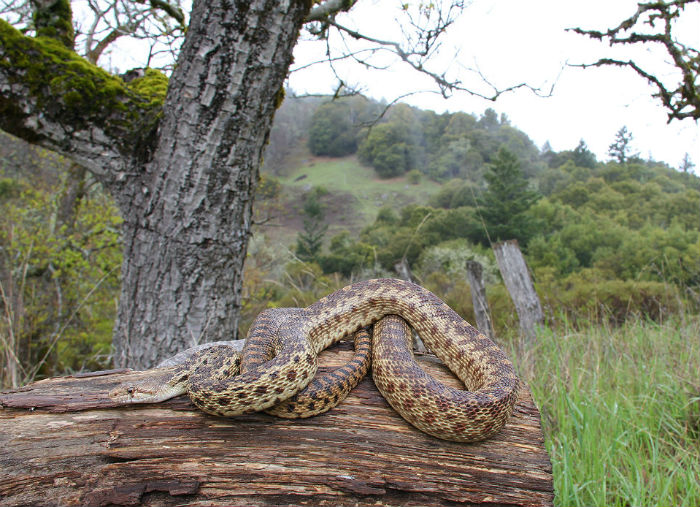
x,y
310,240
583,157
506,200
620,149
687,164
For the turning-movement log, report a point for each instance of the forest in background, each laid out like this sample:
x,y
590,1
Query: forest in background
x,y
605,240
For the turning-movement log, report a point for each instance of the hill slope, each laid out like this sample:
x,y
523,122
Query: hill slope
x,y
354,194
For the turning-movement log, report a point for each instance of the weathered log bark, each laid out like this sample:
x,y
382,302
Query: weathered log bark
x,y
516,276
475,275
76,448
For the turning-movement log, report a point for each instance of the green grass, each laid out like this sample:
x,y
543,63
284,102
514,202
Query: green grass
x,y
621,412
362,190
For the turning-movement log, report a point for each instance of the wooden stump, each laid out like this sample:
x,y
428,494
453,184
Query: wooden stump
x,y
65,443
475,276
516,276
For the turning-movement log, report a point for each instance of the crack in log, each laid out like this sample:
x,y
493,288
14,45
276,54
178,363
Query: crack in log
x,y
133,494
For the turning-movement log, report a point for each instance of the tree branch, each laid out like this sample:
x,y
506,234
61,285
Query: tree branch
x,y
681,102
446,86
93,54
171,10
422,25
51,96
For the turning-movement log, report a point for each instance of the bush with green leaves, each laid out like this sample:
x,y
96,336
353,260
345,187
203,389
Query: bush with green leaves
x,y
413,176
346,256
390,150
335,126
59,281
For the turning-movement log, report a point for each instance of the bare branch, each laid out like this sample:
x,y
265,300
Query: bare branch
x,y
681,100
446,86
160,22
93,53
17,12
174,11
422,26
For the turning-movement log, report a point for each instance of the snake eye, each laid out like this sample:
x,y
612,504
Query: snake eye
x,y
130,390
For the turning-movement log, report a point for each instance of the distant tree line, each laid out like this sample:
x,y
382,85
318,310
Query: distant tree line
x,y
405,139
619,231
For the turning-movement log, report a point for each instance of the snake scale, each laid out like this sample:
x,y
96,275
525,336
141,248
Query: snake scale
x,y
276,369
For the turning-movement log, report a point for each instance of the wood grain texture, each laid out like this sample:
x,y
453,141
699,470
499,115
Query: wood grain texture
x,y
75,447
516,276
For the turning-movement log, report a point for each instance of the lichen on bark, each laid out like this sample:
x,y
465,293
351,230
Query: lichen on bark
x,y
74,92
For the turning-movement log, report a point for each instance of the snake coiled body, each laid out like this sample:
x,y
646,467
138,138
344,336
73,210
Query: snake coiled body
x,y
279,360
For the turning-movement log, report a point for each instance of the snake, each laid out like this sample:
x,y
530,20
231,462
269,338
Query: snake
x,y
278,362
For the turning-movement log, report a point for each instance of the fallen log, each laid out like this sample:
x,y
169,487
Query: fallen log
x,y
64,442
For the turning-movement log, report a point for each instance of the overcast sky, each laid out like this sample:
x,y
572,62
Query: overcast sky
x,y
511,41
514,41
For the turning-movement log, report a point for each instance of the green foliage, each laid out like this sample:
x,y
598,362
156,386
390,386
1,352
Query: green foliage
x,y
450,258
580,156
397,146
455,194
59,283
583,157
346,256
335,126
389,149
441,146
592,295
387,216
621,150
631,227
506,200
413,177
331,132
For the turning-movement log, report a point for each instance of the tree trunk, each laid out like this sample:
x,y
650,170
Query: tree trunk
x,y
404,270
516,276
78,448
183,172
481,305
186,226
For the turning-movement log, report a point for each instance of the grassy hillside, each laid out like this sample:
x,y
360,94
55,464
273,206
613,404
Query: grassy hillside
x,y
355,193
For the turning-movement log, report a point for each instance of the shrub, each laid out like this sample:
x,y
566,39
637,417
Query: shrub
x,y
413,176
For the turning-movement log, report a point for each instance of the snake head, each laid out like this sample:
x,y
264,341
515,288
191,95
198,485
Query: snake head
x,y
132,392
156,387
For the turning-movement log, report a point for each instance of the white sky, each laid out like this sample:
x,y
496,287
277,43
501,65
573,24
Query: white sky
x,y
512,41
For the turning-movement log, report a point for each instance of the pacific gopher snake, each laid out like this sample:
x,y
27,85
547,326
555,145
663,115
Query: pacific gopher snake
x,y
279,360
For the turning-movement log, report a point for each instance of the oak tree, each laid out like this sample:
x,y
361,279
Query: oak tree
x,y
183,167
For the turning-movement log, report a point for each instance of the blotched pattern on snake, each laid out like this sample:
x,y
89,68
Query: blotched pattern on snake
x,y
279,361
